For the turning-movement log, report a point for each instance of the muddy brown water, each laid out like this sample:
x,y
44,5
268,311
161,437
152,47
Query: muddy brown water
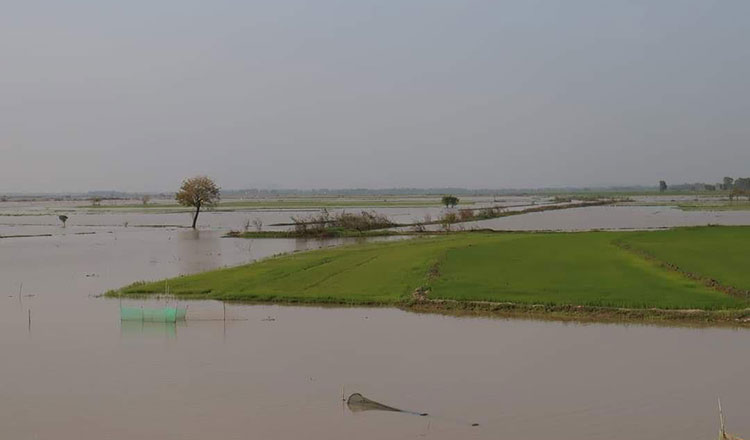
x,y
79,373
44,215
612,217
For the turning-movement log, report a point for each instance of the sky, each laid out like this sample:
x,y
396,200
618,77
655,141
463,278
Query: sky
x,y
137,95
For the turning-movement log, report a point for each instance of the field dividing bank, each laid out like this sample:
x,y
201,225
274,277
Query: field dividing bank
x,y
728,206
323,226
584,274
716,205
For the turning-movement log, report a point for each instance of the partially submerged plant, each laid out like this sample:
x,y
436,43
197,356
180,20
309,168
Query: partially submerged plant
x,y
258,224
466,214
326,223
447,220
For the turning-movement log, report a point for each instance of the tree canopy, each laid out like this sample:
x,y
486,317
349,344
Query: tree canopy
x,y
198,192
450,201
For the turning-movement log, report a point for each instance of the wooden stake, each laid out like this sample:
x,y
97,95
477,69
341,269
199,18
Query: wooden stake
x,y
723,432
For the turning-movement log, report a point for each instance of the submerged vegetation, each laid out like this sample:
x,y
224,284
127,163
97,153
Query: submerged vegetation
x,y
371,224
559,273
326,225
491,212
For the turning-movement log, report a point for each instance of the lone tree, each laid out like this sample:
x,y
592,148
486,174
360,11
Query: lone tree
x,y
450,201
198,192
662,186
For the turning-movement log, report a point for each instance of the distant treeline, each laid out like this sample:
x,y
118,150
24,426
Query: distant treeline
x,y
727,184
91,195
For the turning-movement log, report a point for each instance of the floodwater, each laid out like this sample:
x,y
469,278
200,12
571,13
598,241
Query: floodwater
x,y
279,372
41,217
44,215
612,217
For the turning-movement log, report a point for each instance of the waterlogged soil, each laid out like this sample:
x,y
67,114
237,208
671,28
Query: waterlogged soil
x,y
279,372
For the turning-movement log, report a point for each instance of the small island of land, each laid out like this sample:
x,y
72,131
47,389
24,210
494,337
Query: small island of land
x,y
684,274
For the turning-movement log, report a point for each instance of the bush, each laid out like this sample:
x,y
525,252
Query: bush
x,y
450,201
466,215
487,213
448,219
561,199
326,224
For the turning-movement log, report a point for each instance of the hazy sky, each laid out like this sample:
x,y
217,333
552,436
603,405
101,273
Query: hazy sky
x,y
135,95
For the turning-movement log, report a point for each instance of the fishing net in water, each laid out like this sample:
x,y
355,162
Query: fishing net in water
x,y
166,314
357,402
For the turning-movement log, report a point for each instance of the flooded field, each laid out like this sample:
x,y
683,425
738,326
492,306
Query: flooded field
x,y
17,214
279,372
42,217
612,217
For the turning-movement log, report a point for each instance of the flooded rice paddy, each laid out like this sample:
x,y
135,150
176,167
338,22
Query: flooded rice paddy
x,y
612,217
279,372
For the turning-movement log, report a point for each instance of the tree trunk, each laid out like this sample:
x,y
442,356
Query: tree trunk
x,y
195,218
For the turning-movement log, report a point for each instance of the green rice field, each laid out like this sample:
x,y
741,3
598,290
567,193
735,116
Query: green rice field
x,y
587,269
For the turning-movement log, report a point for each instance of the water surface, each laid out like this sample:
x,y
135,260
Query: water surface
x,y
276,372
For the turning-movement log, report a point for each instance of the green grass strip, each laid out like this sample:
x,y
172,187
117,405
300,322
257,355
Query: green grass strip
x,y
555,269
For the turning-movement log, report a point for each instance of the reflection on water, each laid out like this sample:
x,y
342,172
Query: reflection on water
x,y
138,329
198,253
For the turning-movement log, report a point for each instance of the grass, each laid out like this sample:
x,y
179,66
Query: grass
x,y
575,269
726,206
719,253
589,269
326,233
368,273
